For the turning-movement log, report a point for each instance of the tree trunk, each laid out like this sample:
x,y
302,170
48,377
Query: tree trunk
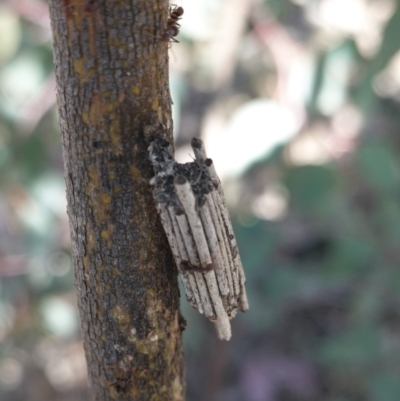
x,y
113,97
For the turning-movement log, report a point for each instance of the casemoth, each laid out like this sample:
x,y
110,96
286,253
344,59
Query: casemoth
x,y
193,212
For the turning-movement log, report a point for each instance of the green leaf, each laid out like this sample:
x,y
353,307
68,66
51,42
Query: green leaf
x,y
349,256
309,186
379,167
385,387
388,220
255,244
357,347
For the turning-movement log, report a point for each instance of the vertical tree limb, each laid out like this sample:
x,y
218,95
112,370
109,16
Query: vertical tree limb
x,y
113,96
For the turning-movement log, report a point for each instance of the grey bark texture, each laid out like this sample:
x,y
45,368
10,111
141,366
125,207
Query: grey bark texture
x,y
113,98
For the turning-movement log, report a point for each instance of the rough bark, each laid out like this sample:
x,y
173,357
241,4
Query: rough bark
x,y
113,97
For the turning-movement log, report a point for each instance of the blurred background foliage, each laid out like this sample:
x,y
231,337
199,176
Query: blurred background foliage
x,y
298,102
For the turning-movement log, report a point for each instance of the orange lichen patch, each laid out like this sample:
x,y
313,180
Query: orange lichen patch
x,y
105,234
135,173
79,64
90,239
98,200
92,33
106,198
154,104
99,290
101,109
106,94
135,90
121,316
147,346
110,107
93,185
115,136
154,304
85,263
97,109
85,117
79,68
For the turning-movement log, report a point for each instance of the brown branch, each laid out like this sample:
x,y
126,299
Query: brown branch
x,y
113,97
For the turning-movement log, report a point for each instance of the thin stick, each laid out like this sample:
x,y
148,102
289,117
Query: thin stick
x,y
213,244
179,252
182,249
235,253
225,235
187,199
199,150
222,245
222,323
194,260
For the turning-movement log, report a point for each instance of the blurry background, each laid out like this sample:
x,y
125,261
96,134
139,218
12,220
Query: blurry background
x,y
298,102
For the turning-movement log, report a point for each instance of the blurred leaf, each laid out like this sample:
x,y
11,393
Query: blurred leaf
x,y
357,347
49,191
388,219
379,167
281,283
319,72
31,161
10,34
59,317
385,387
264,314
366,97
19,80
309,186
340,399
254,130
349,256
276,7
367,306
5,153
255,244
334,84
